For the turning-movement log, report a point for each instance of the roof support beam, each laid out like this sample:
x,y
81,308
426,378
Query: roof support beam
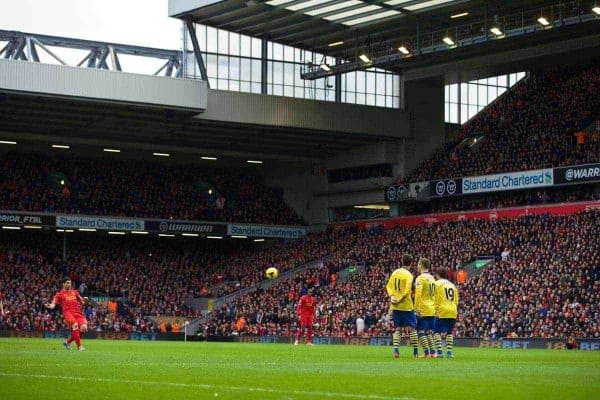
x,y
197,51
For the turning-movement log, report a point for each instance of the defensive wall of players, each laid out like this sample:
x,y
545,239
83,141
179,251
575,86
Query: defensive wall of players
x,y
503,343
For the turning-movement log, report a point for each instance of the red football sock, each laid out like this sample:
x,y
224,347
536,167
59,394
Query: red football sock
x,y
71,338
77,337
309,335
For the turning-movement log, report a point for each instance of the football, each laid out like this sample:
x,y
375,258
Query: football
x,y
272,273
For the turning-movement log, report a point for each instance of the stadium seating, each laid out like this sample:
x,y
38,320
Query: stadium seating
x,y
138,189
530,127
547,287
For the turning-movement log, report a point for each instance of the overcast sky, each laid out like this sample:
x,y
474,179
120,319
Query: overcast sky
x,y
139,22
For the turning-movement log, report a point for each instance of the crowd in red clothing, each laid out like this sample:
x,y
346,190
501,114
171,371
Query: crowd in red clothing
x,y
545,281
532,126
130,188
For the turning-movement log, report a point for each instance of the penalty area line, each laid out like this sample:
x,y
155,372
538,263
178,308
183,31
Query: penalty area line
x,y
211,387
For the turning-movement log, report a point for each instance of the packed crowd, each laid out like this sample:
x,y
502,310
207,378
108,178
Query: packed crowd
x,y
152,276
506,199
545,281
533,126
138,189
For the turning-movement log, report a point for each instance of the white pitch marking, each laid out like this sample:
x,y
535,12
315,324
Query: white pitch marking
x,y
206,386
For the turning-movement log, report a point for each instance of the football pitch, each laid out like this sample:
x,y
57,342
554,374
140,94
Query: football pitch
x,y
43,369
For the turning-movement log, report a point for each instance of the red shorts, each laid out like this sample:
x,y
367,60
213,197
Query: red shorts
x,y
74,317
307,320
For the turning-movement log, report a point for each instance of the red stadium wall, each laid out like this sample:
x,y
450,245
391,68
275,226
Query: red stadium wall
x,y
516,212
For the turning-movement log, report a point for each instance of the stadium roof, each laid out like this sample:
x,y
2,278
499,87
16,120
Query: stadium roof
x,y
321,25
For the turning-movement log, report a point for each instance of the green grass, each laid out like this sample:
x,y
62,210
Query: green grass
x,y
43,369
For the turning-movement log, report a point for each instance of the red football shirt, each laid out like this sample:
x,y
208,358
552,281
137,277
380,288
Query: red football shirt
x,y
68,301
307,305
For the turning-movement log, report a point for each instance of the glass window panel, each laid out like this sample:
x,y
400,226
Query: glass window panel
x,y
298,81
389,84
298,55
320,94
502,81
482,95
380,84
330,95
277,73
223,42
234,44
308,92
370,99
288,53
211,66
245,69
234,86
493,80
472,111
223,68
288,74
389,101
351,97
447,93
256,48
360,98
245,87
270,89
501,91
370,82
277,51
245,46
288,91
464,113
360,81
255,87
234,68
380,100
396,91
396,103
447,111
472,94
201,34
211,39
278,90
222,84
351,82
492,93
453,93
299,92
453,111
256,71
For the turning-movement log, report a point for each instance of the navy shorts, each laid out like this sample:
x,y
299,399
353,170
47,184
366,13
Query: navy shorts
x,y
425,323
404,318
444,325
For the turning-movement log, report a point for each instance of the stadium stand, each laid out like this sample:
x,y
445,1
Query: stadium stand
x,y
532,126
138,189
547,287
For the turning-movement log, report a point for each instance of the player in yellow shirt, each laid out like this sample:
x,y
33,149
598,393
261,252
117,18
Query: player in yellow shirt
x,y
399,288
425,306
446,310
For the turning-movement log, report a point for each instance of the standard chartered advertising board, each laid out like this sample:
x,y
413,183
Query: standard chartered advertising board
x,y
508,181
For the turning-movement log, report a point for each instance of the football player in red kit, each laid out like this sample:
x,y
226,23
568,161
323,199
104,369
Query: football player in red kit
x,y
306,312
70,302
